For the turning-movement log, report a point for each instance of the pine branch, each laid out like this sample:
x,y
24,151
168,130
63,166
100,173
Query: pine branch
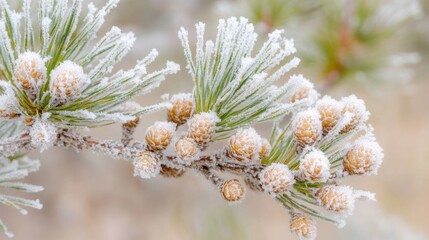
x,y
52,93
118,150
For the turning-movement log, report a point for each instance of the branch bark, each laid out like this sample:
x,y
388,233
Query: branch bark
x,y
118,150
16,145
206,164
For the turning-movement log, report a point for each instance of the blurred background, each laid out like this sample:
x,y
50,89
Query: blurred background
x,y
378,50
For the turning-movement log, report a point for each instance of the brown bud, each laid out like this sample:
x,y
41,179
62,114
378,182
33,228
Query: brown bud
x,y
133,123
245,145
307,127
159,135
232,191
356,107
172,172
146,165
330,113
186,148
265,149
365,157
276,178
181,108
302,226
336,198
30,71
202,127
67,81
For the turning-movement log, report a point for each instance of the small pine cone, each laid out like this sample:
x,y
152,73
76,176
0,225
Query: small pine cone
x,y
172,172
358,110
299,94
9,115
28,121
159,135
202,127
128,129
265,149
315,167
67,81
336,198
302,226
330,112
30,71
133,123
186,149
245,145
181,108
146,165
276,178
232,191
364,158
305,90
43,134
307,127
8,102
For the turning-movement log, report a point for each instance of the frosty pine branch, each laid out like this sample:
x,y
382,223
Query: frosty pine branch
x,y
58,80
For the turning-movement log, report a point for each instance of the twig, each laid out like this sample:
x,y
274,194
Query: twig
x,y
128,130
15,145
118,150
111,148
210,175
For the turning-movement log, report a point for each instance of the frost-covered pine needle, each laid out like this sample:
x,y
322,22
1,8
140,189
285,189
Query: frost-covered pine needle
x,y
62,81
234,81
65,70
10,172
